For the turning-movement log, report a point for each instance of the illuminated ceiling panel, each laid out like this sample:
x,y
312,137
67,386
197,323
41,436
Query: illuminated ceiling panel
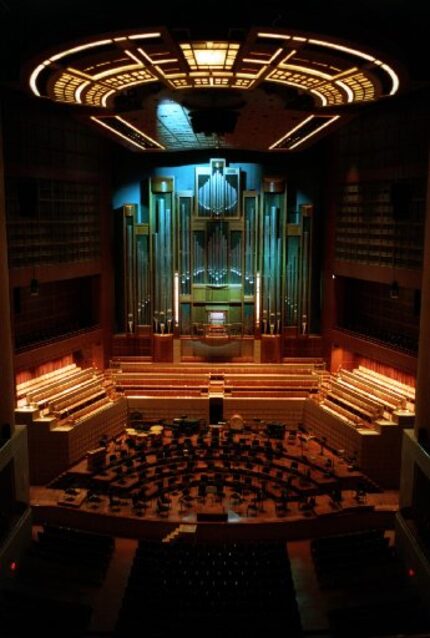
x,y
301,133
210,55
331,73
126,131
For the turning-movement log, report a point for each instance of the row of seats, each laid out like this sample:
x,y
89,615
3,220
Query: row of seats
x,y
371,593
70,394
211,590
50,591
352,558
360,397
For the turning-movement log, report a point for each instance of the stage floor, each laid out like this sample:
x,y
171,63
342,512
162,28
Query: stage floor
x,y
233,512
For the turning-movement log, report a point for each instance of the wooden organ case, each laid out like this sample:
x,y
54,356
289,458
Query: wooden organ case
x,y
216,250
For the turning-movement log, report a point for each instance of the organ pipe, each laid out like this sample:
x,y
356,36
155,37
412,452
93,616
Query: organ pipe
x,y
263,263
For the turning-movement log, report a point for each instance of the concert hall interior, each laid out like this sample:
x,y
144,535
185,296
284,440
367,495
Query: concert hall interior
x,y
214,319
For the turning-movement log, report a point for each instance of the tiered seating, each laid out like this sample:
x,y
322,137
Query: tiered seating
x,y
386,383
25,613
211,590
83,556
362,396
298,383
290,379
376,597
32,385
351,558
50,593
67,412
67,393
401,614
156,384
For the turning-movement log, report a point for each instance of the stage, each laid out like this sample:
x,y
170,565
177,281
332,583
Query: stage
x,y
254,486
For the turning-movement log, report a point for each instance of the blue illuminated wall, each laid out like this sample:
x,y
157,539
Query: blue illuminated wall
x,y
129,189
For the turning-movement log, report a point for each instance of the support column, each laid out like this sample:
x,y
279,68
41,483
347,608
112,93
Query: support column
x,y
422,404
7,381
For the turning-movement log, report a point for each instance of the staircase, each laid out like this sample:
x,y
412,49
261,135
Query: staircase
x,y
216,385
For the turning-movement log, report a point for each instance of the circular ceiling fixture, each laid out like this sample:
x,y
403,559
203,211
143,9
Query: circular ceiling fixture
x,y
95,72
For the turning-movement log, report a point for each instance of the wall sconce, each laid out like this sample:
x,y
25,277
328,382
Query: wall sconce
x,y
394,290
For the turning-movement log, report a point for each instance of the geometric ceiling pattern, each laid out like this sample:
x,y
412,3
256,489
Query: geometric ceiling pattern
x,y
95,72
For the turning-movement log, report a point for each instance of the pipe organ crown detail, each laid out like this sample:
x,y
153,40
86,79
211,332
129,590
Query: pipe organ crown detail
x,y
215,251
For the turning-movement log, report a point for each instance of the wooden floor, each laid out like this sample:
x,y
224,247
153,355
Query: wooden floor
x,y
122,518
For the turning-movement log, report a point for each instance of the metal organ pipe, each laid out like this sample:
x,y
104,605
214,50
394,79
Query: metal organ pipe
x,y
257,298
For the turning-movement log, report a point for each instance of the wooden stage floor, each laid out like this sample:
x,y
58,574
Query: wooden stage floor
x,y
230,516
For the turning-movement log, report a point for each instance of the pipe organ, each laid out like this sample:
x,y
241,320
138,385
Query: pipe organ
x,y
216,250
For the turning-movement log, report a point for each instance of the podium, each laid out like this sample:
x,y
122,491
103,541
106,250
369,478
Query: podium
x,y
162,348
270,348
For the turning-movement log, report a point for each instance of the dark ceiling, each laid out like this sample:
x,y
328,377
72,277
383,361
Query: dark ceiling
x,y
397,28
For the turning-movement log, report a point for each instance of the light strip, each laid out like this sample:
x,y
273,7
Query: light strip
x,y
145,55
79,90
165,61
176,298
340,47
321,97
274,56
133,57
35,74
257,298
330,121
275,36
252,61
143,36
342,74
287,57
347,90
81,74
394,78
291,131
307,70
82,47
106,96
114,72
121,119
156,62
112,130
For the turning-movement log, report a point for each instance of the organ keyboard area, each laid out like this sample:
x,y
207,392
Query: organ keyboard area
x,y
363,397
69,394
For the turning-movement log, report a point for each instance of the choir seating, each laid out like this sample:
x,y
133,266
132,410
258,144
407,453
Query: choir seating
x,y
298,378
361,397
67,412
